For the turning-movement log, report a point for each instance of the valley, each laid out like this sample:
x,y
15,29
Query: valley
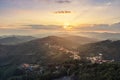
x,y
56,55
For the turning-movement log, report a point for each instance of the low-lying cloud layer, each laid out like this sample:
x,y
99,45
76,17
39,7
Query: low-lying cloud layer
x,y
100,31
44,27
89,28
100,27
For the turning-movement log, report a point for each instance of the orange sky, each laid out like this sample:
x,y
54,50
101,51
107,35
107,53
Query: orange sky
x,y
15,14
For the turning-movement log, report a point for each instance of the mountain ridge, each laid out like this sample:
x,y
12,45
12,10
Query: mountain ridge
x,y
12,40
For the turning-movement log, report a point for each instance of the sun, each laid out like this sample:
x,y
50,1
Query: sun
x,y
67,26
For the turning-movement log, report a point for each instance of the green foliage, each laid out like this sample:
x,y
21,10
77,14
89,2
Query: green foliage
x,y
76,69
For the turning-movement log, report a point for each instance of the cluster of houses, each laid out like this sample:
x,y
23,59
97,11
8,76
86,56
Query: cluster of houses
x,y
31,67
99,59
55,68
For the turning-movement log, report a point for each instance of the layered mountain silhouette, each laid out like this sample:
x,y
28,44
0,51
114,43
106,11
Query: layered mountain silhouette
x,y
53,49
43,50
81,39
11,40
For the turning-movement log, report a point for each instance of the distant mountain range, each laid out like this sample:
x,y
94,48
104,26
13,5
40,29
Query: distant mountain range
x,y
10,40
81,39
103,36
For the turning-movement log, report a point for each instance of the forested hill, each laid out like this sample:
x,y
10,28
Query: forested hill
x,y
109,49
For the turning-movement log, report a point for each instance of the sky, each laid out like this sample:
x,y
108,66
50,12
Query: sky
x,y
32,17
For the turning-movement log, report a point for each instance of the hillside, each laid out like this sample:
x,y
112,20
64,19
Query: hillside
x,y
53,49
44,50
109,49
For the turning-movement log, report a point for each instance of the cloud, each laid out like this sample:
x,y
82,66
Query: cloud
x,y
29,29
104,35
101,2
44,27
62,12
62,1
114,28
100,27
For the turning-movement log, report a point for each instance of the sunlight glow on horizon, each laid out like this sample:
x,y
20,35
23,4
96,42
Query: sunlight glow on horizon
x,y
67,26
15,14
